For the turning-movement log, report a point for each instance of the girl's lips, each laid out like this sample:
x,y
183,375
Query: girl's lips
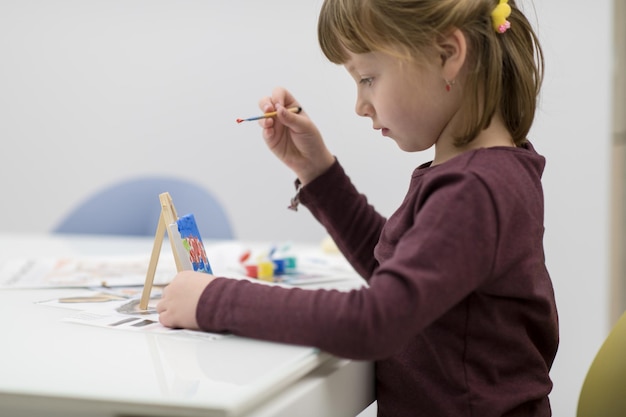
x,y
383,130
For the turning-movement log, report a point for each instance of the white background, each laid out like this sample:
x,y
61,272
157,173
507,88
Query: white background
x,y
94,91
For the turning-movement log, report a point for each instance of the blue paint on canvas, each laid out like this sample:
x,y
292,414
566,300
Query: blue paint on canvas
x,y
192,243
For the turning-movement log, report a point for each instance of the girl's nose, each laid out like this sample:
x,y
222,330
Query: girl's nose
x,y
363,108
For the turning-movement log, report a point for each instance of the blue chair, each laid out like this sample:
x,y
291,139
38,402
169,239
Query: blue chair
x,y
132,208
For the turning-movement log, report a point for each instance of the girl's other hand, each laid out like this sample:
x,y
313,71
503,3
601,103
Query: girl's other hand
x,y
293,137
179,300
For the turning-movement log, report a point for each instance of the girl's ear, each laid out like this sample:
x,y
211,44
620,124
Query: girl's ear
x,y
453,49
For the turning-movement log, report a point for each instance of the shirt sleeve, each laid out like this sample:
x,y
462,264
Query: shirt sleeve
x,y
349,219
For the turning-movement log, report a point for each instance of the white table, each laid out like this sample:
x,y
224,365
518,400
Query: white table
x,y
50,367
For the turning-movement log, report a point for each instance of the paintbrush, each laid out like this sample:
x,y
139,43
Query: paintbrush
x,y
270,114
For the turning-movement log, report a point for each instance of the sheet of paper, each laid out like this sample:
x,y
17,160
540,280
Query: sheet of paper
x,y
117,309
86,272
82,272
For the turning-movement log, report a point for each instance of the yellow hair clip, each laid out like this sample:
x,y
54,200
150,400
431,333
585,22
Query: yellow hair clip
x,y
499,15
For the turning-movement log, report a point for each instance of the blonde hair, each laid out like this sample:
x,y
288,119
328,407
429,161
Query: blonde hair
x,y
504,70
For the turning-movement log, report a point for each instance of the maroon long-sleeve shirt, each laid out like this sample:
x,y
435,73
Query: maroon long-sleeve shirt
x,y
459,315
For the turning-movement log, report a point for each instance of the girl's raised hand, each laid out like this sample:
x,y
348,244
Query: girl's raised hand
x,y
293,137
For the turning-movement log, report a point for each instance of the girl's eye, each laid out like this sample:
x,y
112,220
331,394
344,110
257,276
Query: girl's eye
x,y
366,81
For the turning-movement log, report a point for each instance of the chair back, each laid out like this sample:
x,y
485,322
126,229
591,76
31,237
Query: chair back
x,y
132,208
604,391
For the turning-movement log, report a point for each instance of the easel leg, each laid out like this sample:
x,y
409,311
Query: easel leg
x,y
168,216
154,260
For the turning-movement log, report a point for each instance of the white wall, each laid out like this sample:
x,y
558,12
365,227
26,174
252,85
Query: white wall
x,y
574,132
92,91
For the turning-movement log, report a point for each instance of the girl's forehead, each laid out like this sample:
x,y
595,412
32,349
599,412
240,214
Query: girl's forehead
x,y
355,58
368,60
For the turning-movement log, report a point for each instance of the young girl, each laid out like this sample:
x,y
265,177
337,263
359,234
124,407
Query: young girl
x,y
459,315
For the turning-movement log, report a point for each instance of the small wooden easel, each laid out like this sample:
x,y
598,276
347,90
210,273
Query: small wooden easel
x,y
168,216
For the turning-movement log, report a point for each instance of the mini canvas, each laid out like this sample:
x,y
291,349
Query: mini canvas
x,y
188,244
